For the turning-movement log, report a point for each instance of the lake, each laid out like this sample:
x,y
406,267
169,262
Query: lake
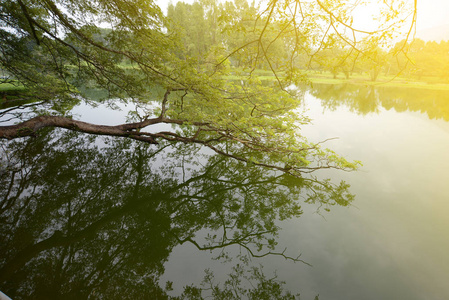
x,y
94,217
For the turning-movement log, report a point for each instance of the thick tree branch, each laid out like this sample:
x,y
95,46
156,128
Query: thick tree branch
x,y
30,128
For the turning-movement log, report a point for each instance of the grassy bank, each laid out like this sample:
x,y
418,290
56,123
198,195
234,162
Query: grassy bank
x,y
389,81
361,79
7,87
314,77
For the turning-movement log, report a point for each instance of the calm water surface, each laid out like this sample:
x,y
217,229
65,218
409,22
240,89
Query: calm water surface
x,y
83,217
392,242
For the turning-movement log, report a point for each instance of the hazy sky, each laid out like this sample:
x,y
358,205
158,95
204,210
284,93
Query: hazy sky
x,y
431,13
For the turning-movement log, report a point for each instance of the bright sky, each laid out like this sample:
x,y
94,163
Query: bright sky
x,y
431,13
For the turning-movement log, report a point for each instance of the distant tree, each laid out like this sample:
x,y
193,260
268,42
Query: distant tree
x,y
373,60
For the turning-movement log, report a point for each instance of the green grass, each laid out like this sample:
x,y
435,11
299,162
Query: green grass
x,y
6,87
430,83
9,93
360,79
388,81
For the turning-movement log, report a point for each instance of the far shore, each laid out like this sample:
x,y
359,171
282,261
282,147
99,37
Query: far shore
x,y
430,83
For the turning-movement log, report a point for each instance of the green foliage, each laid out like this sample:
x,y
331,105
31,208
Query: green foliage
x,y
177,71
57,50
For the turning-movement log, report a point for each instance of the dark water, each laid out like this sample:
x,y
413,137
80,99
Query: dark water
x,y
85,217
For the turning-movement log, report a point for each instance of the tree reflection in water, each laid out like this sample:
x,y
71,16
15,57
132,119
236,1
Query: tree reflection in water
x,y
85,217
363,99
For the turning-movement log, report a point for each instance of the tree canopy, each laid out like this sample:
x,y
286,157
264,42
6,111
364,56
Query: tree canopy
x,y
205,85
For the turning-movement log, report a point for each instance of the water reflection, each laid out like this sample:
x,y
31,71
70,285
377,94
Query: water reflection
x,y
369,99
85,217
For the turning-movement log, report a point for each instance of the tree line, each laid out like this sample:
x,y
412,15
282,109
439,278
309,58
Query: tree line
x,y
208,28
421,59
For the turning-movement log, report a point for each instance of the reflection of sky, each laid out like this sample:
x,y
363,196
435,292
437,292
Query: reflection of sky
x,y
392,243
102,115
97,115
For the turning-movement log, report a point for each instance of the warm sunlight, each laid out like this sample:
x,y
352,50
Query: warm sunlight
x,y
224,149
432,20
432,13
